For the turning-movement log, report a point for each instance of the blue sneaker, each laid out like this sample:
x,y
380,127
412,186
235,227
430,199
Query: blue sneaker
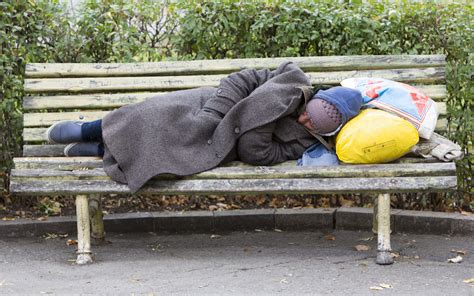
x,y
64,132
84,149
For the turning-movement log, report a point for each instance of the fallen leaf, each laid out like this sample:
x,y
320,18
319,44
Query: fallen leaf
x,y
71,242
395,254
376,288
469,281
416,257
367,239
8,219
277,230
247,249
215,236
156,247
2,283
457,259
346,202
329,237
460,252
284,281
466,213
222,205
261,200
213,208
362,248
386,286
258,230
50,236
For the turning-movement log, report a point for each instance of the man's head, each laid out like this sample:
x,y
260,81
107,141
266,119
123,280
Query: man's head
x,y
328,110
324,116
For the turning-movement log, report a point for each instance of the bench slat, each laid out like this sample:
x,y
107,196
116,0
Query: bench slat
x,y
243,186
38,134
84,163
326,63
99,101
43,150
92,101
262,172
47,119
156,83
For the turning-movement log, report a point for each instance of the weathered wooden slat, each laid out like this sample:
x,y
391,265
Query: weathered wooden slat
x,y
43,150
326,63
51,174
58,163
37,134
82,163
162,83
243,186
47,119
92,101
101,101
260,172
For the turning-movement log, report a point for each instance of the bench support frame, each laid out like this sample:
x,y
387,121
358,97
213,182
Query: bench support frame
x,y
96,219
90,224
84,255
382,224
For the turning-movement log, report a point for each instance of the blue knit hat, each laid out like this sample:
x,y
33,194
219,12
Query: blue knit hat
x,y
332,108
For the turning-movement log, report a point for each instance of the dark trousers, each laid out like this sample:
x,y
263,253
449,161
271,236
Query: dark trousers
x,y
92,131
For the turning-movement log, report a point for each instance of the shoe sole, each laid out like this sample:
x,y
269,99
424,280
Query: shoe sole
x,y
67,148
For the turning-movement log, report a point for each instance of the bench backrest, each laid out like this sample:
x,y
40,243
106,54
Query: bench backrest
x,y
87,92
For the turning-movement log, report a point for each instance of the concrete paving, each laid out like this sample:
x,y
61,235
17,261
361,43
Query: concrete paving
x,y
239,263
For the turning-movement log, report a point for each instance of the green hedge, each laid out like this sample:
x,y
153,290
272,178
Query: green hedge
x,y
131,30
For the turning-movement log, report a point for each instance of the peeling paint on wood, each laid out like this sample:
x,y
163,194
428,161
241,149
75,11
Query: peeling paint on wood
x,y
326,63
101,101
259,172
243,186
160,83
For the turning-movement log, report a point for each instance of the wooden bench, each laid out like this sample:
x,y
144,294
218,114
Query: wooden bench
x,y
89,91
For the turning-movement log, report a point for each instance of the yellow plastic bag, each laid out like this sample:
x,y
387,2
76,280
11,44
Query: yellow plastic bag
x,y
375,136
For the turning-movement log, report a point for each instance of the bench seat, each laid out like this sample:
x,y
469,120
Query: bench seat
x,y
84,175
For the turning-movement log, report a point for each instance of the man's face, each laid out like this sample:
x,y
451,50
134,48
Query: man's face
x,y
305,121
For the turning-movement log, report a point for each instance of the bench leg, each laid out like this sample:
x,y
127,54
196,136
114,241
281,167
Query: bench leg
x,y
83,231
383,230
96,218
375,223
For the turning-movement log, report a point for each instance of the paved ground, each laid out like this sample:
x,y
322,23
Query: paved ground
x,y
252,263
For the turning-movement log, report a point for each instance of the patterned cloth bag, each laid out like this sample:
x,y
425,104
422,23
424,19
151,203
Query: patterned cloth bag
x,y
398,98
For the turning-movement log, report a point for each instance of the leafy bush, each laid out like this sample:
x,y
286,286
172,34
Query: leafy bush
x,y
152,30
125,31
311,29
20,29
